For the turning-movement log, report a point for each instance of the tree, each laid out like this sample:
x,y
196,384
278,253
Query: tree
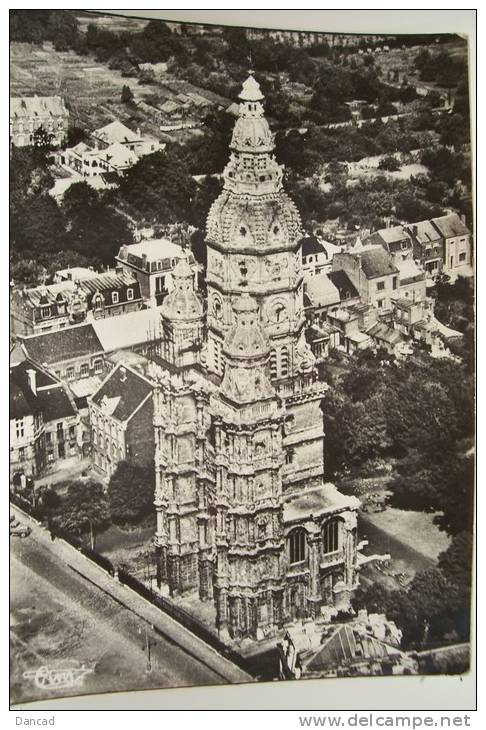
x,y
126,95
95,229
456,561
131,492
389,163
42,138
83,508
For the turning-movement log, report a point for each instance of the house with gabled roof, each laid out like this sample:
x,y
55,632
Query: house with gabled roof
x,y
428,247
372,272
457,243
29,113
45,425
121,415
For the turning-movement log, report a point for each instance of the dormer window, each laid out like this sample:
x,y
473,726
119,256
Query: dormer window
x,y
243,231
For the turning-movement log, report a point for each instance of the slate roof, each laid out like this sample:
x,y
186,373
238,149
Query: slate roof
x,y
311,245
52,397
425,232
56,403
377,262
61,345
31,106
450,225
109,280
122,392
22,401
343,284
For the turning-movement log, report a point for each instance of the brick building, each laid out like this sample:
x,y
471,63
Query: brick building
x,y
121,416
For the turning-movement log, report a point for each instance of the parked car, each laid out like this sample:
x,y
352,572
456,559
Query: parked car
x,y
12,518
13,522
20,530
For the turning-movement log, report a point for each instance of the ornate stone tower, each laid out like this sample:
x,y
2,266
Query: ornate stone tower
x,y
253,239
248,457
254,246
182,319
244,516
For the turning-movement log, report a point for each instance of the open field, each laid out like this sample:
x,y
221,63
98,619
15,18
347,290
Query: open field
x,y
93,91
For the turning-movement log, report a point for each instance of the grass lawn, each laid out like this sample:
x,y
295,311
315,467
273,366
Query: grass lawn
x,y
414,529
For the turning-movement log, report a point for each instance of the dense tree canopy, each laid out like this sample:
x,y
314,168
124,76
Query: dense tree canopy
x,y
131,492
84,504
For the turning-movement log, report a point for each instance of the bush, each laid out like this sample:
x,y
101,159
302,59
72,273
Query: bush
x,y
389,163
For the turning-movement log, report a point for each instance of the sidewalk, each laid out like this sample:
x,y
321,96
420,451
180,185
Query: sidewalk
x,y
190,643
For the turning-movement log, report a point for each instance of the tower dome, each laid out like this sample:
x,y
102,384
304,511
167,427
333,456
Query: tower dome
x,y
182,303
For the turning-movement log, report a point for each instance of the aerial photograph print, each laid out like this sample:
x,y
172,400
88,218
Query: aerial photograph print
x,y
242,354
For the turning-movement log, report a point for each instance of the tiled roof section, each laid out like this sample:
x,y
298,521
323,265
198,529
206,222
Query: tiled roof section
x,y
116,132
424,232
381,331
450,226
133,328
311,245
110,280
343,284
64,344
44,295
410,272
377,262
41,106
56,403
118,155
322,291
155,249
346,646
127,388
393,234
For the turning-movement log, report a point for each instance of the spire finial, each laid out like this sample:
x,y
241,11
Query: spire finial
x,y
250,70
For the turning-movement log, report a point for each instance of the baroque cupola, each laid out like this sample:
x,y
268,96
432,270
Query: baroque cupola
x,y
253,209
182,303
182,318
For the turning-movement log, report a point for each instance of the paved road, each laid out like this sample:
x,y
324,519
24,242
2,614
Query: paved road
x,y
66,612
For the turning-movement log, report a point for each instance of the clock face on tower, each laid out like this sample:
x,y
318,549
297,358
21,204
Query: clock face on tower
x,y
277,312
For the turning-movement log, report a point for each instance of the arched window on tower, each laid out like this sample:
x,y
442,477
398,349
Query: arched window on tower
x,y
297,546
284,362
330,536
273,364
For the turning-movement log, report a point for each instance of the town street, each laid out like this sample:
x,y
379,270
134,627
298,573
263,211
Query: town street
x,y
69,619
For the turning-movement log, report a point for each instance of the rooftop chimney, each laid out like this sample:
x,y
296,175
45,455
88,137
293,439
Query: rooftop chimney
x,y
123,374
32,380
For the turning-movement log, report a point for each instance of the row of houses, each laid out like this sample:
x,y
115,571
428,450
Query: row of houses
x,y
439,245
142,278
